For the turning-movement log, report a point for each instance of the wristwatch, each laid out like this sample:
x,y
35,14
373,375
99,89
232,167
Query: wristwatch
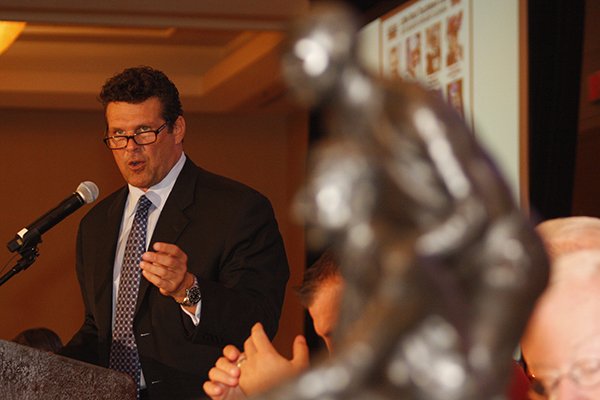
x,y
192,295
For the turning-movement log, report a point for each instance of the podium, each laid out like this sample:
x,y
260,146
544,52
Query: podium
x,y
31,374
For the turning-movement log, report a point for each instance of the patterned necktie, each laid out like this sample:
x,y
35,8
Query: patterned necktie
x,y
123,353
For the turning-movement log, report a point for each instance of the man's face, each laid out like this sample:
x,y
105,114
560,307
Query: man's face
x,y
562,342
144,166
325,308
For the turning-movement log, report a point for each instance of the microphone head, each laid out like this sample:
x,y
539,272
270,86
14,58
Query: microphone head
x,y
88,191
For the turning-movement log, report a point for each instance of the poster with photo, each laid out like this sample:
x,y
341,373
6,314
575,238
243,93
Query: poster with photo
x,y
429,41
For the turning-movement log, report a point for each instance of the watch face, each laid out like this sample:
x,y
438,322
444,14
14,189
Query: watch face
x,y
193,295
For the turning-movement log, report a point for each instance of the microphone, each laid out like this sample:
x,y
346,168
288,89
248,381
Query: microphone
x,y
87,192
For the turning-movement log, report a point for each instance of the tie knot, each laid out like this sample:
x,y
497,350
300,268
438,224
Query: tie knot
x,y
143,204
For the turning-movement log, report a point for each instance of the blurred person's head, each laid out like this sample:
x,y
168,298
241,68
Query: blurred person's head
x,y
321,293
561,344
565,235
39,338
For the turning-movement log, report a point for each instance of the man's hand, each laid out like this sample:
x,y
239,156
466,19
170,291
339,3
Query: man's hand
x,y
166,268
264,367
224,377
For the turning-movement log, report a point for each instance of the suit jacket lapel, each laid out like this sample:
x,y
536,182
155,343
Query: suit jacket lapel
x,y
103,274
172,220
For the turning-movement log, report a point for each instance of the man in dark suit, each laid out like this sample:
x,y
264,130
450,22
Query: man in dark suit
x,y
215,263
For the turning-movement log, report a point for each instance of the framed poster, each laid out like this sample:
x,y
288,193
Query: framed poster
x,y
430,41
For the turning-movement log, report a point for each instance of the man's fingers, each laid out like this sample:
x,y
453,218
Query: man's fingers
x,y
166,254
228,367
260,339
156,269
249,347
166,285
231,353
166,261
168,250
153,279
213,390
165,267
220,376
300,356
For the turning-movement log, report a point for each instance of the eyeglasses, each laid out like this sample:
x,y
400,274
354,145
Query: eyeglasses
x,y
140,137
585,373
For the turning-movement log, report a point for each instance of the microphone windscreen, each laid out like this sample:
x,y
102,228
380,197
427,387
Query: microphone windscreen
x,y
88,191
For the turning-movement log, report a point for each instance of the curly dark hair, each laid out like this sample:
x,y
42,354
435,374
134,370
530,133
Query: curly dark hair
x,y
138,84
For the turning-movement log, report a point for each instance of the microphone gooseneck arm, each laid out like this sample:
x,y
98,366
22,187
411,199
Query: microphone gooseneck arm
x,y
28,252
27,239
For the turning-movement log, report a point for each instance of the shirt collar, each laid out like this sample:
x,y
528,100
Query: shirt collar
x,y
158,193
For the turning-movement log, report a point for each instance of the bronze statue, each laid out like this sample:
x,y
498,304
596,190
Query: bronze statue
x,y
442,268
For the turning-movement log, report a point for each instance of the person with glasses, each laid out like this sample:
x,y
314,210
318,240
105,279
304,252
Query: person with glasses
x,y
177,263
561,345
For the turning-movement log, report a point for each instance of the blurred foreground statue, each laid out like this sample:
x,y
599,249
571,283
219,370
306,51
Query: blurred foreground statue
x,y
442,268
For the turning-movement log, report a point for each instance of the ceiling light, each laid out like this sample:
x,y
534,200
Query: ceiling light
x,y
9,31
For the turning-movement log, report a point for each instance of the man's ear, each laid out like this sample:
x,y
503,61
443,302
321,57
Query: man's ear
x,y
179,129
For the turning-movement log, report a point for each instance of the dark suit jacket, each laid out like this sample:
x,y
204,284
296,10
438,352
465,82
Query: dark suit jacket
x,y
234,247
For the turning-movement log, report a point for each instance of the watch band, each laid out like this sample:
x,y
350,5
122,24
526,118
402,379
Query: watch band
x,y
192,295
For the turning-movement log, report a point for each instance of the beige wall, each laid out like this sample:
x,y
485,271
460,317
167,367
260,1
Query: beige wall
x,y
44,155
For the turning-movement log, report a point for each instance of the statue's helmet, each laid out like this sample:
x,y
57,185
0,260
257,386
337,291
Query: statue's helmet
x,y
318,49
